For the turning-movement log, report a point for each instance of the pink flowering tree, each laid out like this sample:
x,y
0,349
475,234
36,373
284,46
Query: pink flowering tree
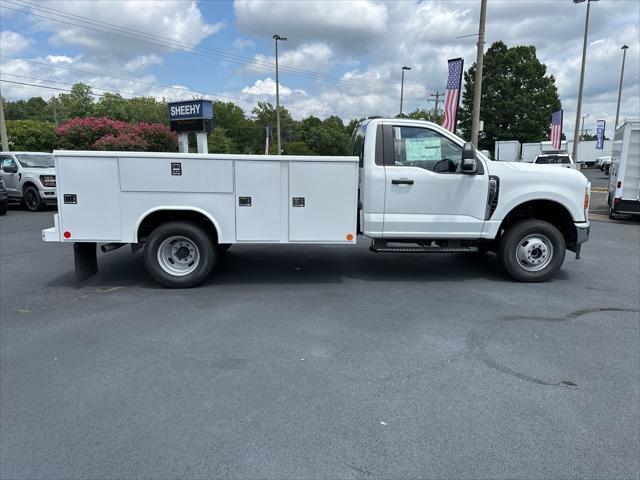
x,y
103,133
82,133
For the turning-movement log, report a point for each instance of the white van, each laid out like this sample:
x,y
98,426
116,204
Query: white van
x,y
624,173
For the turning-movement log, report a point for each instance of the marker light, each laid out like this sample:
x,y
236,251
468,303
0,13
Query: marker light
x,y
349,237
67,234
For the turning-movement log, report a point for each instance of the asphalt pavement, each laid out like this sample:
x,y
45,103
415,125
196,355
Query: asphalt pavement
x,y
319,362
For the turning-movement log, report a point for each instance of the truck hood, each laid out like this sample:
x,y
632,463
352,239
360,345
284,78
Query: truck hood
x,y
38,171
547,173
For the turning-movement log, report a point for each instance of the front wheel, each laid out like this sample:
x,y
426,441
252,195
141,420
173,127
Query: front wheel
x,y
532,251
179,254
31,199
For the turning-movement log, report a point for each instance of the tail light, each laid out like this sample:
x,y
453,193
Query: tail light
x,y
619,184
586,200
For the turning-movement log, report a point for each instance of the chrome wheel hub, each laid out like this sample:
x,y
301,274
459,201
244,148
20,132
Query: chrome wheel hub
x,y
534,252
178,255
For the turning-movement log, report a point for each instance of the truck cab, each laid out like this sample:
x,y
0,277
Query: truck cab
x,y
409,187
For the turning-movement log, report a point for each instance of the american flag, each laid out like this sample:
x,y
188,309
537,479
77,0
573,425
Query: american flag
x,y
556,129
453,94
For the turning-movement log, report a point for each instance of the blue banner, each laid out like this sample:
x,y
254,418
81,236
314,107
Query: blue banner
x,y
600,134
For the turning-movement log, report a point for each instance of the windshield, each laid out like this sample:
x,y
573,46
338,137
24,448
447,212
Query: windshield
x,y
29,160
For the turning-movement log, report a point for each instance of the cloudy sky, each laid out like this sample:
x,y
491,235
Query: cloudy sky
x,y
341,57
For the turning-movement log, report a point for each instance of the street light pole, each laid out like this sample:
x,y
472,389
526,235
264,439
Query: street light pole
x,y
624,55
276,38
402,87
576,138
582,127
477,91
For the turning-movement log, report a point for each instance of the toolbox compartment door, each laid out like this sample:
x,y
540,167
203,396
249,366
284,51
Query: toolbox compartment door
x,y
89,198
323,201
258,201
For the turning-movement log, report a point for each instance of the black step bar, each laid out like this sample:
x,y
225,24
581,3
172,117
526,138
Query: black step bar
x,y
382,246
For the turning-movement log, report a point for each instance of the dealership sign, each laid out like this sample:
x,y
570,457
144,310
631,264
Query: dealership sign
x,y
191,116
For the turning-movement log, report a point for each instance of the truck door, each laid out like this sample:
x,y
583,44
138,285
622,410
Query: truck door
x,y
11,180
426,195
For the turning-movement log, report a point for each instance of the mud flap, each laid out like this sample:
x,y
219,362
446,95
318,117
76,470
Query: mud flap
x,y
86,260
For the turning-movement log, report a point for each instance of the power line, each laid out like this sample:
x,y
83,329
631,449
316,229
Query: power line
x,y
176,45
323,112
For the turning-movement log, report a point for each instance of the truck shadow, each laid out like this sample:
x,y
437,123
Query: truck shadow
x,y
303,264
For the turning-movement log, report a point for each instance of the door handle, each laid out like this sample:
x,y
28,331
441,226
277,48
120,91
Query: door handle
x,y
402,181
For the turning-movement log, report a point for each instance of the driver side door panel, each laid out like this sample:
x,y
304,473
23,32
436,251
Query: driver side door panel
x,y
422,203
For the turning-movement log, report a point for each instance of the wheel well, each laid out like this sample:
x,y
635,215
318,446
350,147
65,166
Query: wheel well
x,y
157,218
28,183
547,210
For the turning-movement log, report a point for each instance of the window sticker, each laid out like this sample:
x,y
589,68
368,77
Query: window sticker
x,y
423,149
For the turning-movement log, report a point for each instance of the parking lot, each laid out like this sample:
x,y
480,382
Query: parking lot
x,y
319,362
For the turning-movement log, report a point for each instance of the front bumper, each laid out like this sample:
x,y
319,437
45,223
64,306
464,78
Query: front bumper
x,y
583,230
48,195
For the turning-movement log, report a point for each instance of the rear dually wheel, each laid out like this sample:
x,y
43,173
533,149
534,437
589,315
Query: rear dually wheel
x,y
180,254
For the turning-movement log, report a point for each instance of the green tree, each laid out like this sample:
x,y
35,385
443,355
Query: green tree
x,y
518,96
219,142
33,109
31,135
112,105
246,134
147,110
351,126
77,104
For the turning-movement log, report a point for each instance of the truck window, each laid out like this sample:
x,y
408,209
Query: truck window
x,y
357,143
424,148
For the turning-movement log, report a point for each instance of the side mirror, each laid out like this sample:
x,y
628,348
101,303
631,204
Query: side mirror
x,y
10,169
469,161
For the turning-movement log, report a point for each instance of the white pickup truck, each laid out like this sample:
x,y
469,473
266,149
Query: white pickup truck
x,y
410,187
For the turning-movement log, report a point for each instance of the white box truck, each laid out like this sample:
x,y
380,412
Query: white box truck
x,y
530,152
624,172
410,187
507,151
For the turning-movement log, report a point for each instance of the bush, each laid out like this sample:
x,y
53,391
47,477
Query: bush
x,y
125,142
102,133
158,137
31,135
82,133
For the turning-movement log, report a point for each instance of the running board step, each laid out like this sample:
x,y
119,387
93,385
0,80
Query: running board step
x,y
380,249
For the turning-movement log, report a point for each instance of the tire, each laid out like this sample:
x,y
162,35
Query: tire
x,y
532,251
180,254
31,199
4,207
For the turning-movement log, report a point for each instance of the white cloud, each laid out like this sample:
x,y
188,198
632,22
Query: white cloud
x,y
308,56
267,87
242,43
12,43
143,26
345,23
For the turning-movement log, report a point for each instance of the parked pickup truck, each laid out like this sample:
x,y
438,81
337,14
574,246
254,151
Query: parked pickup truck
x,y
410,187
29,177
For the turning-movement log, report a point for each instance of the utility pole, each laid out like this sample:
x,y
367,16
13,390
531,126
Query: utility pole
x,y
624,55
576,132
54,100
477,91
402,87
282,39
437,96
3,128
